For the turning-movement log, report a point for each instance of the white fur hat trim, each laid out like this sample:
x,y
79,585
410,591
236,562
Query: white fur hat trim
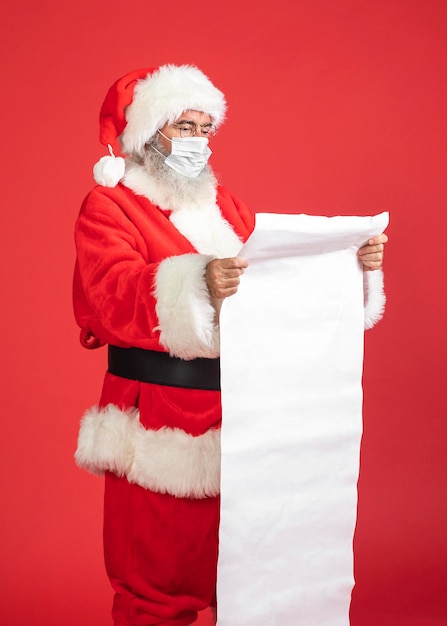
x,y
162,97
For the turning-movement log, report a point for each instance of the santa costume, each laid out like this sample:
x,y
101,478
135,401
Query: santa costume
x,y
139,286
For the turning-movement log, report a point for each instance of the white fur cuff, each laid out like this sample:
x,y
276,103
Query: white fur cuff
x,y
165,461
375,298
186,316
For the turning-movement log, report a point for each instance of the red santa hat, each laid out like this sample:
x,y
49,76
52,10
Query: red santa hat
x,y
142,102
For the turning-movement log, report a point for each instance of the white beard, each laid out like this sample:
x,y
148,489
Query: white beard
x,y
192,202
165,187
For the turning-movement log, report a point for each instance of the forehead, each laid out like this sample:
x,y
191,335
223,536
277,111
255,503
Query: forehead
x,y
194,116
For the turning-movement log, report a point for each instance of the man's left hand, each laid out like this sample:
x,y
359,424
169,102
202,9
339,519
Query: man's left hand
x,y
371,255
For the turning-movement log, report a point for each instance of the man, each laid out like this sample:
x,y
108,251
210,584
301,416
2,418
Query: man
x,y
157,244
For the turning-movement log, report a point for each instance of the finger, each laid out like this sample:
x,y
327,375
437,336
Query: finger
x,y
383,238
371,256
234,263
372,265
221,286
223,277
377,262
227,281
377,249
234,273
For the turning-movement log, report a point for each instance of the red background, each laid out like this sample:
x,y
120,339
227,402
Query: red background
x,y
335,107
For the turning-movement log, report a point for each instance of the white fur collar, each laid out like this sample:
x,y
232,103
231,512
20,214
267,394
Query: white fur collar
x,y
200,220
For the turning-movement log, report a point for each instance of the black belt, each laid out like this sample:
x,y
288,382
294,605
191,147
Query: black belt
x,y
150,366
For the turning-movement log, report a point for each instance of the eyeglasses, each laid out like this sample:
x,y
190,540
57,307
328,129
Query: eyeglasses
x,y
190,129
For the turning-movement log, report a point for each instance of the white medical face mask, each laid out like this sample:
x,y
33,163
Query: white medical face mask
x,y
189,155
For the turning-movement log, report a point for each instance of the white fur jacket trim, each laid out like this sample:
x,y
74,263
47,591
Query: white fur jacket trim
x,y
375,298
187,319
165,461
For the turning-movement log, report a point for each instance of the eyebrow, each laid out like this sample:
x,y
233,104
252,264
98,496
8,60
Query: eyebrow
x,y
193,123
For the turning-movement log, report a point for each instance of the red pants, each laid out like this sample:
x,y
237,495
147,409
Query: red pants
x,y
160,554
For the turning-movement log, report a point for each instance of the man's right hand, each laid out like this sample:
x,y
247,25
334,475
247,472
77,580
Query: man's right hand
x,y
223,276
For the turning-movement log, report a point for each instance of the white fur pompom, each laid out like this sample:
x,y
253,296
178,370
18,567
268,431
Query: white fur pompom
x,y
109,170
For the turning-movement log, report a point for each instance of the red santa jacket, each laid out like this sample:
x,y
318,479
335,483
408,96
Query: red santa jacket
x,y
140,282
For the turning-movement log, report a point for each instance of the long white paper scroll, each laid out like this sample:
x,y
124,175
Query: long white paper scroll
x,y
291,365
